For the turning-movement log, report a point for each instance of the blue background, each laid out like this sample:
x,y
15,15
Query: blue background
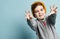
x,y
13,24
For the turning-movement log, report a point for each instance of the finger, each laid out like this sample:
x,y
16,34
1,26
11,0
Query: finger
x,y
27,16
31,16
27,11
53,5
56,8
50,7
55,11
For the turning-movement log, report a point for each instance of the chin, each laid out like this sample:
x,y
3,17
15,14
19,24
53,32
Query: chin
x,y
41,18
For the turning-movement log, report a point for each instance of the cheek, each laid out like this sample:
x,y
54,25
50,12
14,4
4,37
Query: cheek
x,y
43,12
36,14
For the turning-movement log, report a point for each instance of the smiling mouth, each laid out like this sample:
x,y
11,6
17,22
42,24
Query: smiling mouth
x,y
40,15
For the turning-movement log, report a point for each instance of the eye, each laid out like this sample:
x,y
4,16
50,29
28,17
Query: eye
x,y
41,9
36,11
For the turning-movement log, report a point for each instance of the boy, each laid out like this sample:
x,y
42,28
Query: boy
x,y
44,27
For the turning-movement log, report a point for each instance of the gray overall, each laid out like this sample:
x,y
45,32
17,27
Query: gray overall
x,y
44,32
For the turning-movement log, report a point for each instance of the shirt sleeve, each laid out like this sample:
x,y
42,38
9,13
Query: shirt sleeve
x,y
32,23
51,19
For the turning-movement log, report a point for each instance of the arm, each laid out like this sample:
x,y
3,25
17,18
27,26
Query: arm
x,y
52,16
32,23
51,19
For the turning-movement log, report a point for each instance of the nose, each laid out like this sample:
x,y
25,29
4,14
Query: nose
x,y
39,12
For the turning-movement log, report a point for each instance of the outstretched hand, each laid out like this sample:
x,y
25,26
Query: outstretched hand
x,y
28,16
53,9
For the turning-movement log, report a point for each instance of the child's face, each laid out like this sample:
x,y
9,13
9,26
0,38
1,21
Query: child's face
x,y
39,12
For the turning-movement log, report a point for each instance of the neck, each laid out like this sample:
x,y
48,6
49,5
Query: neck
x,y
41,19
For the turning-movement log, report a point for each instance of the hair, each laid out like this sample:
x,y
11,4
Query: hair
x,y
35,4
